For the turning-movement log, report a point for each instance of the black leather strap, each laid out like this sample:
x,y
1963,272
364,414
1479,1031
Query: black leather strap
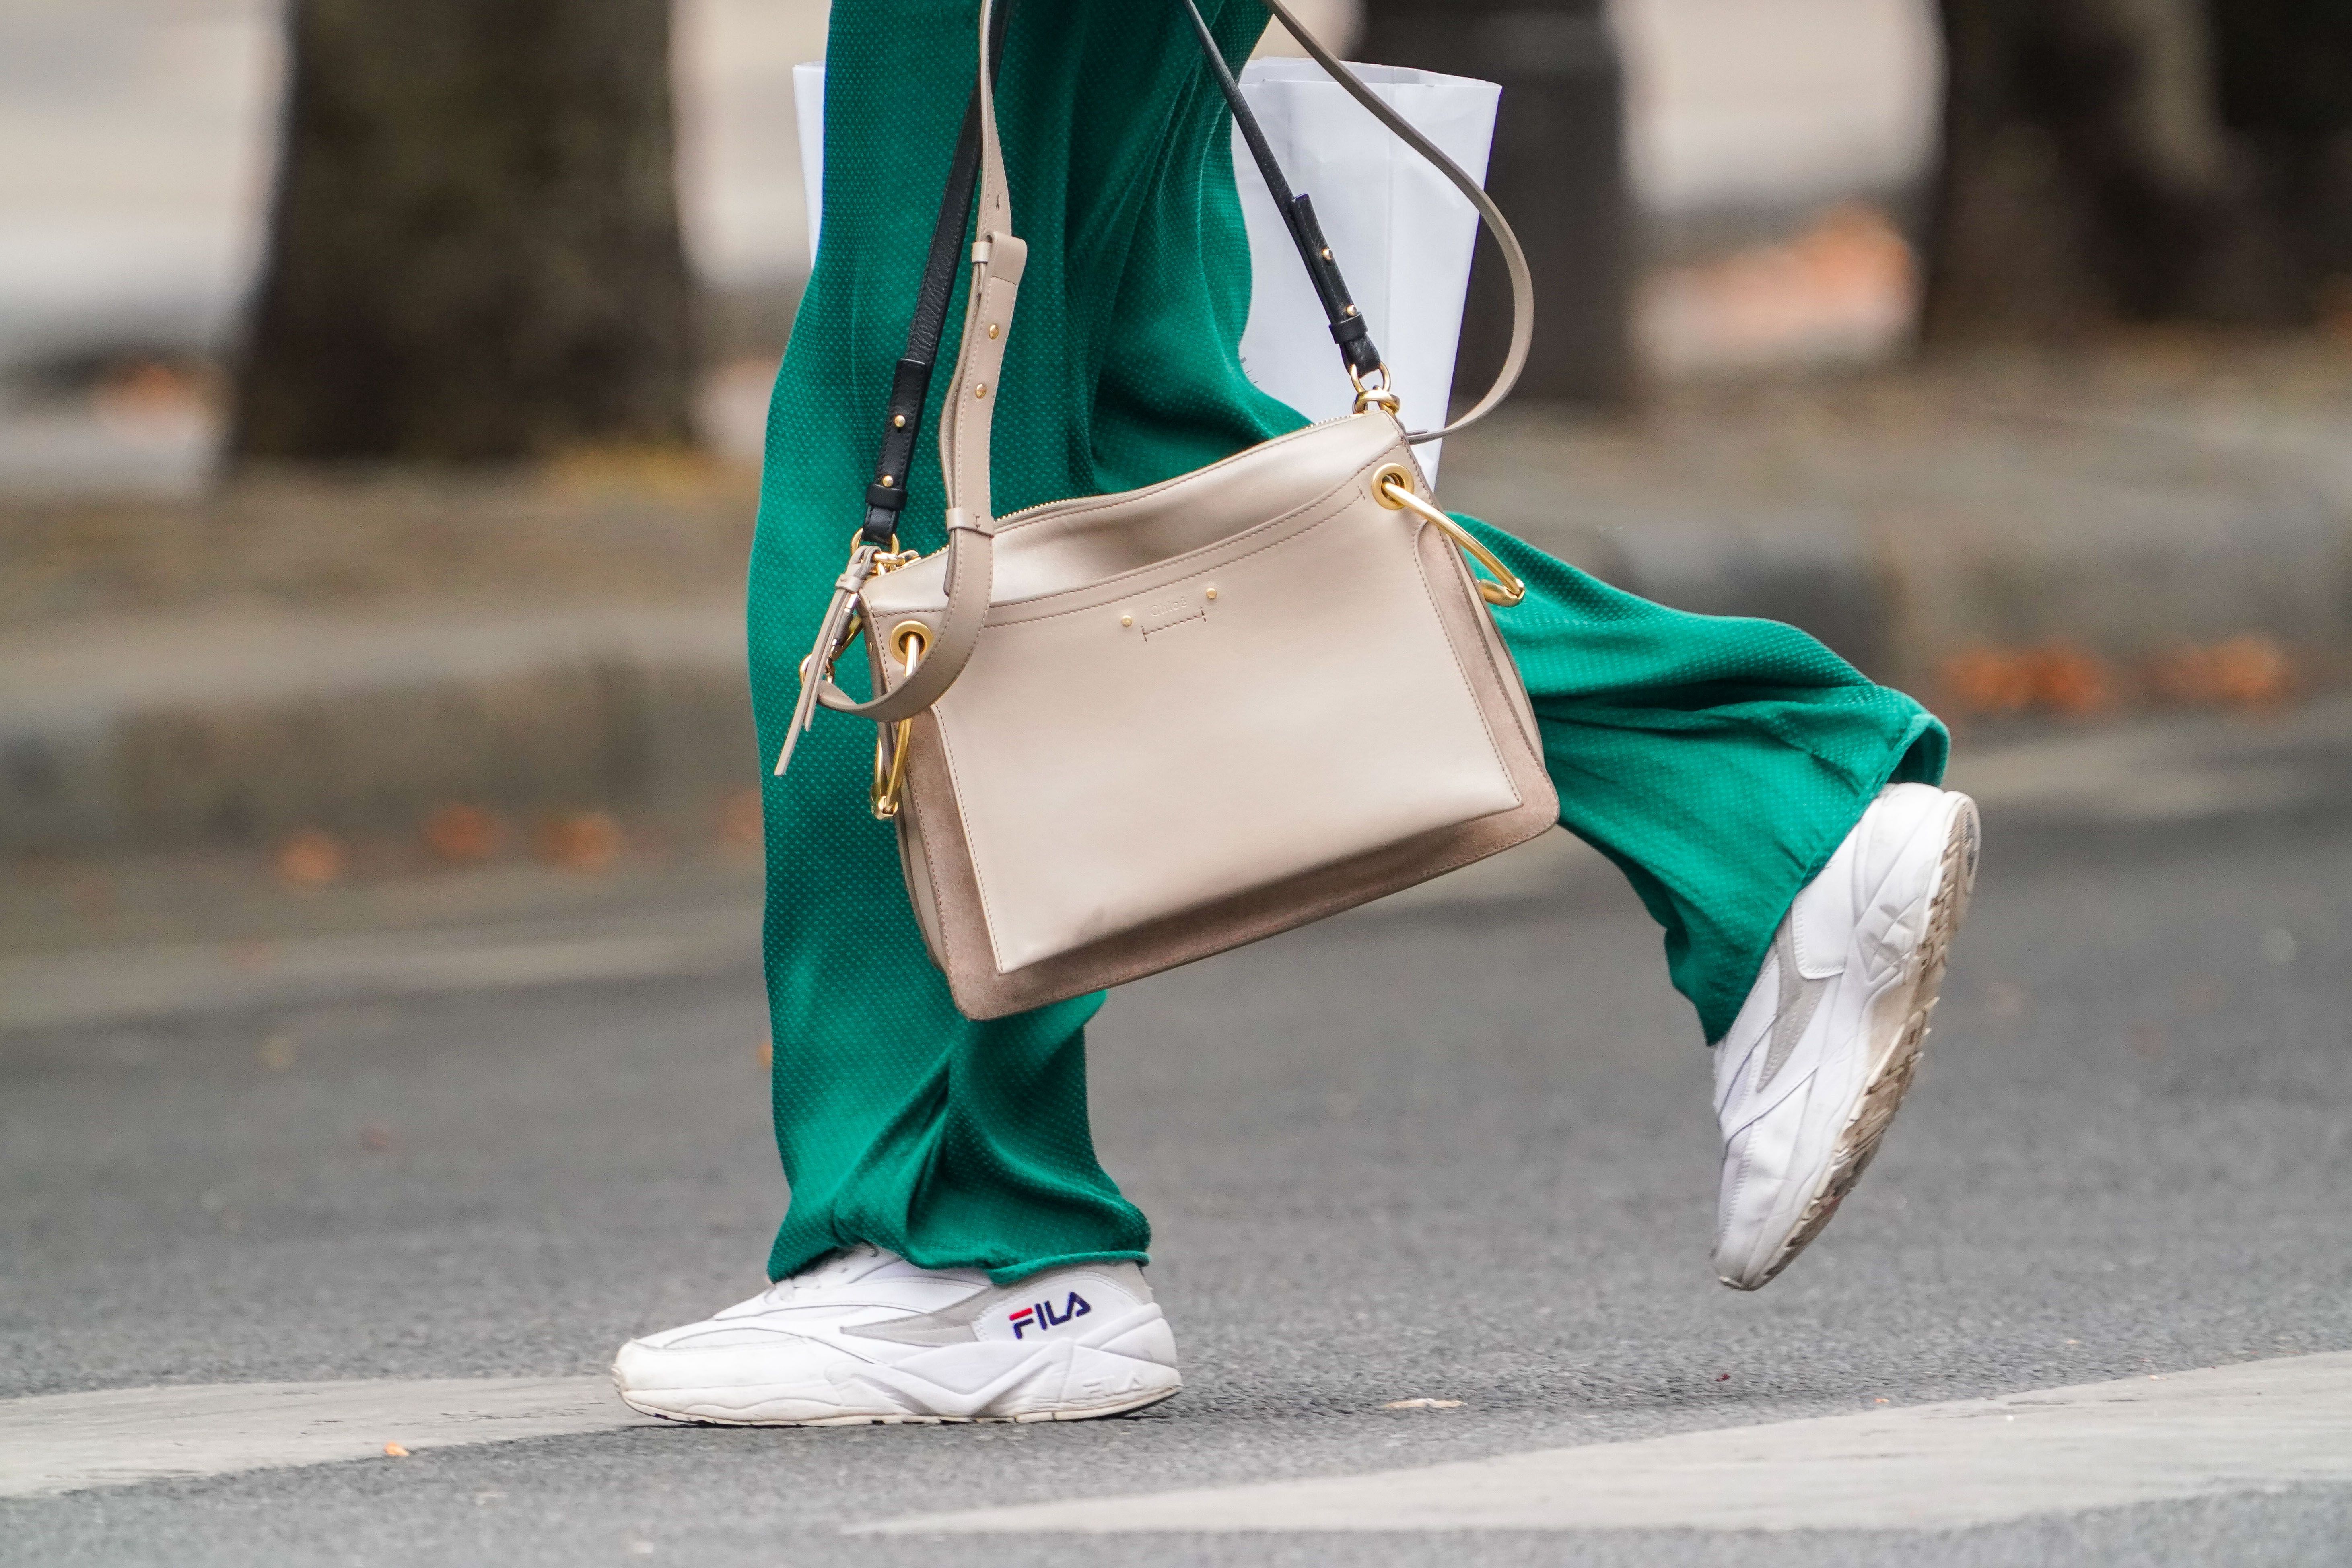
x,y
1348,328
910,384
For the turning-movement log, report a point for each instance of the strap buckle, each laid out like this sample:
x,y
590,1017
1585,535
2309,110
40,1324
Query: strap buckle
x,y
849,630
1383,395
884,559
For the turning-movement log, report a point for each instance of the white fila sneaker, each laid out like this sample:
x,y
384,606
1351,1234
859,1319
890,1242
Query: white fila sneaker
x,y
1819,1059
865,1336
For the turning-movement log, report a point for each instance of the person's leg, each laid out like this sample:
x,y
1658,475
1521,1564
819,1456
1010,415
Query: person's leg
x,y
902,1123
1778,814
1718,760
940,1168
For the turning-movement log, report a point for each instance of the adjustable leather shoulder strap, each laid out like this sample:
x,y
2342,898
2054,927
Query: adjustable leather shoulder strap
x,y
1348,329
910,382
997,259
1323,269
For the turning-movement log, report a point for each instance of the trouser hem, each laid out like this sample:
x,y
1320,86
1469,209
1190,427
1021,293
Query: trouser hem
x,y
1901,767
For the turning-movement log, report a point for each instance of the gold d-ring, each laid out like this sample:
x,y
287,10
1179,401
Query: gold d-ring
x,y
1384,395
1392,488
907,640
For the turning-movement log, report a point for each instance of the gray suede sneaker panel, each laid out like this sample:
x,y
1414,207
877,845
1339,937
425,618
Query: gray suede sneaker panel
x,y
1799,998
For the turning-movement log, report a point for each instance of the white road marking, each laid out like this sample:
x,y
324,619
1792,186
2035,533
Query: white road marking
x,y
118,1436
2260,1425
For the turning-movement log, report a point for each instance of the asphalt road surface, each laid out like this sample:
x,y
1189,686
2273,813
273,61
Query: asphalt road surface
x,y
1456,1150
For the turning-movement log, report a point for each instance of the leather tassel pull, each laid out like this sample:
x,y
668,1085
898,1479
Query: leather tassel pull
x,y
814,668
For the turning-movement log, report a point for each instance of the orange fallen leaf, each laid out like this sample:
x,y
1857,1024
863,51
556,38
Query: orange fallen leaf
x,y
395,1451
2072,681
742,820
2251,670
311,859
463,834
581,840
1989,681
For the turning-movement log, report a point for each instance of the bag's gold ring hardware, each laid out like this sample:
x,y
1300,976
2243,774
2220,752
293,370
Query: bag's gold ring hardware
x,y
883,559
849,630
888,560
1392,488
891,776
1383,394
907,640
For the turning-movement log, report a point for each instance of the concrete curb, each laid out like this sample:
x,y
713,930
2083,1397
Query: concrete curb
x,y
225,732
1906,543
2123,541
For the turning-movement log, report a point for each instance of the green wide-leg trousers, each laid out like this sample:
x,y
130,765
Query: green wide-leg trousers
x,y
1719,762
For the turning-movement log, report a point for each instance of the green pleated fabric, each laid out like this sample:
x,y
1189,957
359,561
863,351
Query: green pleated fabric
x,y
1717,761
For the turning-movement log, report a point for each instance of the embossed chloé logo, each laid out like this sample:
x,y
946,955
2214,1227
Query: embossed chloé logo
x,y
1169,614
1171,610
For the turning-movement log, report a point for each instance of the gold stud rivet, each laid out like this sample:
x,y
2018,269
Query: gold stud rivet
x,y
979,389
898,421
1212,593
992,328
1127,620
886,481
1352,310
1326,253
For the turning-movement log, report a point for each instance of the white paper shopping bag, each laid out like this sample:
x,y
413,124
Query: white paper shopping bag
x,y
1402,235
808,110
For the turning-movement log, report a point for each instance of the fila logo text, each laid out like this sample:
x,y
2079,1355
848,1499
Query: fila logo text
x,y
1041,1316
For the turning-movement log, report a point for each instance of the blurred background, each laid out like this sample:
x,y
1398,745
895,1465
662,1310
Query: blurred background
x,y
381,987
1795,140
380,390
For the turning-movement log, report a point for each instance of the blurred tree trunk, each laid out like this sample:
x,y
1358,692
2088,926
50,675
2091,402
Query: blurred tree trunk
x,y
1557,172
475,249
2089,175
2284,68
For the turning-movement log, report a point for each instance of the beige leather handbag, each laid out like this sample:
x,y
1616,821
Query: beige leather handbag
x,y
1121,733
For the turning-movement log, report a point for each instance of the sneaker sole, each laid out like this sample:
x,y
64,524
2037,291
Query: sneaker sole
x,y
1891,1075
908,1418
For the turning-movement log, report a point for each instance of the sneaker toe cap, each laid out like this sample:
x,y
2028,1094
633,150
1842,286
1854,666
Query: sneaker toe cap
x,y
1759,1199
644,1365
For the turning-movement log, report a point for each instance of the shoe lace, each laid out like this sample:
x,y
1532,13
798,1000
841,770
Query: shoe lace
x,y
829,1272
